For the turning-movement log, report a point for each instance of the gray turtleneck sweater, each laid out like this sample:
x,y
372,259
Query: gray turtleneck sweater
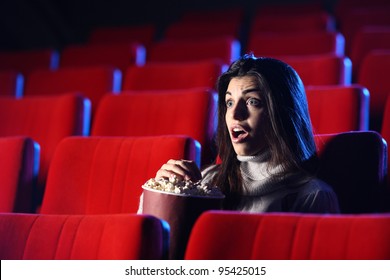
x,y
264,192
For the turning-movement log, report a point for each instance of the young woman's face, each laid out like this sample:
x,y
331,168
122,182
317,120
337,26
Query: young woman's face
x,y
245,115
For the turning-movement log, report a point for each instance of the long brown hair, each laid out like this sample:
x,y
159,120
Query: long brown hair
x,y
288,131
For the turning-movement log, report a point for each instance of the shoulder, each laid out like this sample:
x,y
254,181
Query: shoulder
x,y
316,196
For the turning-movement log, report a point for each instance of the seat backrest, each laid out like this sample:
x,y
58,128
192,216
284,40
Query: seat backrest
x,y
104,175
11,83
190,112
270,236
226,49
385,132
172,75
92,82
82,237
335,109
373,75
335,70
117,55
29,60
19,165
143,34
366,40
47,120
295,22
302,43
355,165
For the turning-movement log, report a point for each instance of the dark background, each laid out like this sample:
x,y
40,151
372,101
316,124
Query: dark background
x,y
31,24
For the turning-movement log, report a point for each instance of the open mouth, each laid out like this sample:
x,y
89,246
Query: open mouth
x,y
238,134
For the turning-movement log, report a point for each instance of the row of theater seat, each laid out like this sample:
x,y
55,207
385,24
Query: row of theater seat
x,y
217,235
104,174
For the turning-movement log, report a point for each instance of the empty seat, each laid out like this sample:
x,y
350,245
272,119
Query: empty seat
x,y
28,60
104,175
117,55
19,164
225,235
172,75
366,40
373,75
79,237
92,82
143,34
189,112
47,120
319,70
355,165
335,109
226,49
302,43
292,22
359,17
202,29
11,83
385,132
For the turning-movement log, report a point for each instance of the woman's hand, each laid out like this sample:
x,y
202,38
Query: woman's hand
x,y
183,169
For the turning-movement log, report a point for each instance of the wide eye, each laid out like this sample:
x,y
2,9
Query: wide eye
x,y
253,102
229,103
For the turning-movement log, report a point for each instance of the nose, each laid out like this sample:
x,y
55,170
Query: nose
x,y
239,111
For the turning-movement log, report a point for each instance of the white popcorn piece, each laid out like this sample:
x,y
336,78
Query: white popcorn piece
x,y
185,187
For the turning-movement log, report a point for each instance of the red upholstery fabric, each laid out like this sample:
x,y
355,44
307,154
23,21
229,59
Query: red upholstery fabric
x,y
373,75
226,49
29,60
189,112
118,55
292,22
203,29
355,19
366,40
92,82
302,43
78,237
104,175
355,165
11,83
19,163
336,109
143,34
234,235
335,70
47,120
172,75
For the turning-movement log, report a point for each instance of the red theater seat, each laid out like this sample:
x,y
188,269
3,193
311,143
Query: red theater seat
x,y
47,120
25,61
355,165
11,83
104,175
78,237
116,55
172,75
92,82
189,112
19,163
302,43
335,109
219,235
319,70
143,34
226,49
373,75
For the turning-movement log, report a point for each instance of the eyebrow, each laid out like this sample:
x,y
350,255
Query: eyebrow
x,y
249,90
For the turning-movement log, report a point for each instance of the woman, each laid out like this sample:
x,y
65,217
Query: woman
x,y
265,143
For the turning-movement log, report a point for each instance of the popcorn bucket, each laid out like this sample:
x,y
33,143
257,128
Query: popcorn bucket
x,y
181,212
